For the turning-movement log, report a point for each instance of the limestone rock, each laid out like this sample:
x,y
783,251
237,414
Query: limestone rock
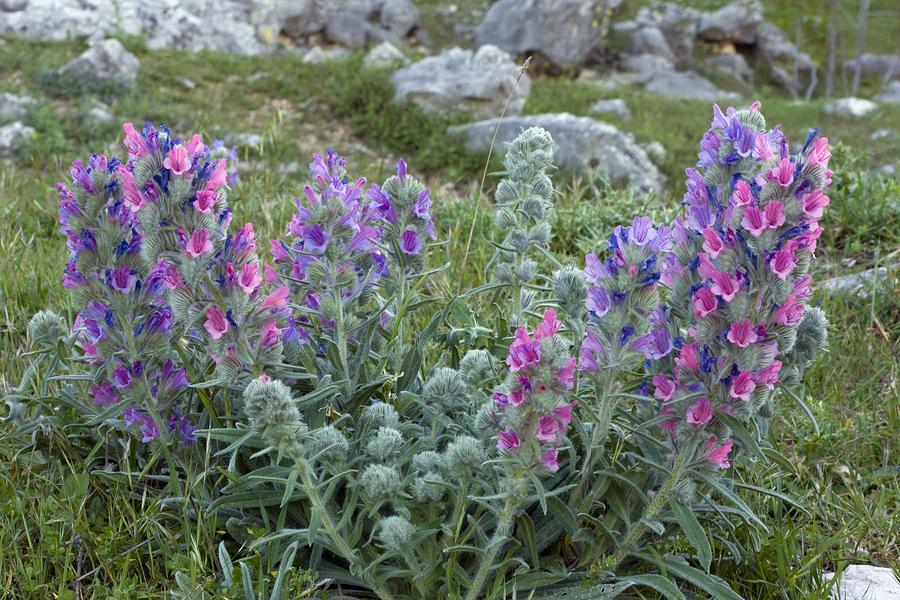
x,y
615,106
460,79
865,582
737,22
583,144
13,137
14,107
106,62
891,93
850,107
385,55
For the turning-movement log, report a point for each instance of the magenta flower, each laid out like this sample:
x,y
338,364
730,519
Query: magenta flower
x,y
742,196
566,375
670,425
712,243
204,200
819,154
742,386
216,323
564,414
687,358
725,286
783,262
783,174
789,313
718,455
742,334
700,412
178,160
814,204
665,388
410,242
121,279
135,144
104,394
270,334
508,440
550,460
278,299
133,197
547,428
769,376
774,213
704,302
549,326
754,220
523,351
249,278
199,243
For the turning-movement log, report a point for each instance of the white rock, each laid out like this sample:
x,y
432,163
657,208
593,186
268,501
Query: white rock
x,y
879,134
850,107
14,107
614,106
582,144
459,79
891,93
100,113
104,62
855,283
13,136
865,582
656,151
385,55
318,55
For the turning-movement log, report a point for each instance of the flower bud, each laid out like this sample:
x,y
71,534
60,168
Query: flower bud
x,y
382,414
46,327
477,367
395,533
386,444
464,455
446,388
381,482
328,445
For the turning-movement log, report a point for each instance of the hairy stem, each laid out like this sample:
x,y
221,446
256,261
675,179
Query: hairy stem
x,y
501,534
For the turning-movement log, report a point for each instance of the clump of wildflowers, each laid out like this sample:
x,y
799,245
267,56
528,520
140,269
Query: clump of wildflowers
x,y
533,406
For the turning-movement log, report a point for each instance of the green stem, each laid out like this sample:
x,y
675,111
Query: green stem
x,y
501,534
599,431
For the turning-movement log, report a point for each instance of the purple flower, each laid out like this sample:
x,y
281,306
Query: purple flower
x,y
508,440
410,242
121,279
422,204
315,239
104,394
121,377
655,345
598,300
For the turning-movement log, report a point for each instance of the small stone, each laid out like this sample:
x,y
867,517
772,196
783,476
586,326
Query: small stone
x,y
688,85
733,65
855,283
850,107
13,137
187,84
737,22
880,134
100,114
890,94
656,151
14,107
614,106
650,40
107,62
385,55
244,139
881,65
865,582
318,55
886,170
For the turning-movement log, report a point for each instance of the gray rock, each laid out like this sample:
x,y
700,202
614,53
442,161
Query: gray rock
x,y
731,65
562,31
104,63
615,106
646,66
348,28
318,55
583,144
399,17
886,170
650,40
459,79
13,5
882,65
891,93
244,139
293,18
865,582
737,22
855,283
678,23
656,152
100,113
13,137
850,107
789,67
220,25
687,85
880,134
385,55
13,107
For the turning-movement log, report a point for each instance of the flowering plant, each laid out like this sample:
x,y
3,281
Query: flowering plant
x,y
614,407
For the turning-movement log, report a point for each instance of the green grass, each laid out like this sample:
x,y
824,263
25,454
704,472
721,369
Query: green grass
x,y
57,524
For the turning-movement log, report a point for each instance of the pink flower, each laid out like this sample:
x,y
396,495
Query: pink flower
x,y
566,375
564,414
706,268
742,334
550,460
195,145
178,160
725,285
204,201
814,204
704,302
218,177
783,262
547,427
278,251
135,144
670,425
216,323
742,196
802,287
769,376
591,347
818,153
783,174
700,413
789,313
712,243
249,278
754,221
718,455
277,299
763,150
774,212
523,351
742,386
687,358
270,334
199,243
549,327
665,388
508,440
134,198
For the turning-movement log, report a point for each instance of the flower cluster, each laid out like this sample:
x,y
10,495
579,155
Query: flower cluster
x,y
738,274
213,278
625,319
125,322
531,406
